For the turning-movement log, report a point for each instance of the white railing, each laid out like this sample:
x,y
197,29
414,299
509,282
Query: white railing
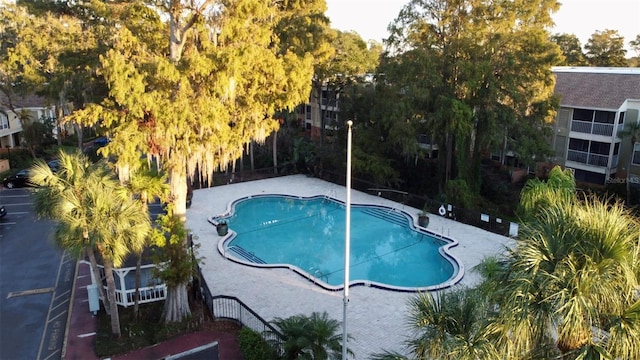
x,y
589,127
587,158
577,156
147,294
602,129
126,297
598,160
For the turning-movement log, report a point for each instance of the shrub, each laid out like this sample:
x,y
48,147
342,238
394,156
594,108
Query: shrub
x,y
459,193
254,346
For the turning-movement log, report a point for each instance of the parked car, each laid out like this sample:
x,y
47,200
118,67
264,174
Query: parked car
x,y
3,211
54,165
101,141
19,179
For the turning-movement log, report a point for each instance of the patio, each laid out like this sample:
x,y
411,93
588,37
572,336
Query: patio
x,y
376,318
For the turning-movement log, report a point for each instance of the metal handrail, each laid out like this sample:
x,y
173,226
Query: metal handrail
x,y
230,307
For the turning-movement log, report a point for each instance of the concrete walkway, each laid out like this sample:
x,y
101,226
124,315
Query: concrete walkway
x,y
376,318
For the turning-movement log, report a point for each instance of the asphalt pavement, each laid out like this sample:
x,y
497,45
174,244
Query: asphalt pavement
x,y
44,311
35,282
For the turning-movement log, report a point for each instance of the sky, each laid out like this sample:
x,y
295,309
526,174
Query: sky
x,y
370,18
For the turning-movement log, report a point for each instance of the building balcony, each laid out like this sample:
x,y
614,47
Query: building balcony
x,y
588,127
588,158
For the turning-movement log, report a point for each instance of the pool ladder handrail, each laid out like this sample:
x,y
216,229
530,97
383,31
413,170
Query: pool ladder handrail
x,y
316,274
327,195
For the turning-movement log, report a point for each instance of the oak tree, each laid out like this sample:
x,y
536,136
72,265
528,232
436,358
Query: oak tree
x,y
485,67
571,49
192,104
606,48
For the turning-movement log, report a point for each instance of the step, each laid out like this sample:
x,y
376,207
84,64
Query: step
x,y
246,255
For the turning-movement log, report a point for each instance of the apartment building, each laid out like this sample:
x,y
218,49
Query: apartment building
x,y
596,104
321,110
28,107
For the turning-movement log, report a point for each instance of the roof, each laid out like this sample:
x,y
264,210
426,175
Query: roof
x,y
596,88
23,102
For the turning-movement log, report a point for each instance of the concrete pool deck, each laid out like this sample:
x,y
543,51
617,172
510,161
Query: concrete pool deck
x,y
376,318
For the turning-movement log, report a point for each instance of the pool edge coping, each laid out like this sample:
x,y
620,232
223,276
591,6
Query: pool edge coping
x,y
443,250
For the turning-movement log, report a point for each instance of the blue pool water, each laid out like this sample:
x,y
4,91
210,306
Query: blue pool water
x,y
309,234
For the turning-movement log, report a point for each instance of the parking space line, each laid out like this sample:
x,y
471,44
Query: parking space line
x,y
61,303
30,292
53,355
57,316
63,294
52,340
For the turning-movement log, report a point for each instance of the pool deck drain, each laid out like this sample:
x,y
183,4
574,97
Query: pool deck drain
x,y
377,318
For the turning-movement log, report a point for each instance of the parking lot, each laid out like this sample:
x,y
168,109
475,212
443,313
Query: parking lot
x,y
35,282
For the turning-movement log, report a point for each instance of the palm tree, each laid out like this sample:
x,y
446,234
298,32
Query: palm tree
x,y
536,194
122,227
74,176
94,213
570,285
310,337
449,325
146,187
631,130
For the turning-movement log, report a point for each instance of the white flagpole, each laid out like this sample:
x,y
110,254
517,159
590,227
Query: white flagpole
x,y
347,245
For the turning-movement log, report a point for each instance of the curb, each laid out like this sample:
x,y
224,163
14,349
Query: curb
x,y
63,354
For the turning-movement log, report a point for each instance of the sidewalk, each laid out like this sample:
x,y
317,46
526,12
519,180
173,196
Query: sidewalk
x,y
82,325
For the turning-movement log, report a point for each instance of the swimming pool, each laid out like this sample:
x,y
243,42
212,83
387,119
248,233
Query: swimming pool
x,y
306,235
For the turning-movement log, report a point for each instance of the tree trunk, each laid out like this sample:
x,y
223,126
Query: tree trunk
x,y
275,152
78,129
59,115
111,294
178,184
449,159
96,274
176,306
628,180
136,298
321,114
253,167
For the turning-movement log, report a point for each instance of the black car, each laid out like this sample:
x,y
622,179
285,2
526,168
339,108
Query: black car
x,y
3,211
19,179
54,165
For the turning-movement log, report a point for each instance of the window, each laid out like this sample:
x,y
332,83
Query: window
x,y
582,115
636,154
621,118
590,177
605,117
579,145
614,160
4,121
600,148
